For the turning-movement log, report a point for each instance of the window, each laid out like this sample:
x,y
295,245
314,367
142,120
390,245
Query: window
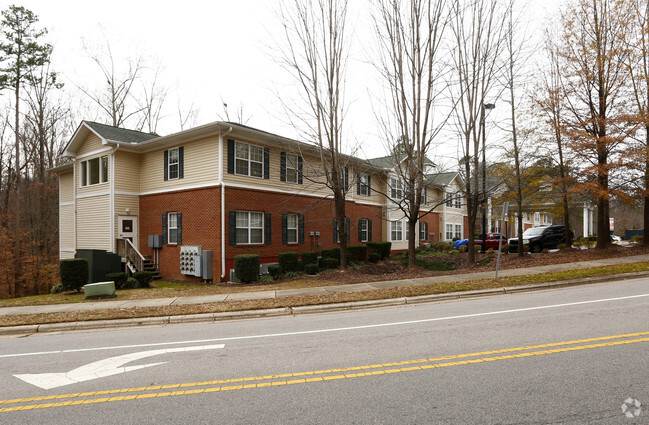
x,y
291,168
363,184
249,227
172,228
249,160
458,231
396,230
458,200
449,200
291,228
396,188
363,230
423,231
449,232
173,164
424,197
407,230
94,171
537,217
347,230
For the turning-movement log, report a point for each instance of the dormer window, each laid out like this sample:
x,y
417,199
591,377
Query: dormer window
x,y
94,171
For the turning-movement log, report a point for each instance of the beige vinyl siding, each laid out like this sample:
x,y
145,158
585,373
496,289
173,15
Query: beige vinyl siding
x,y
66,228
93,222
91,144
66,189
127,172
122,202
66,255
95,188
200,167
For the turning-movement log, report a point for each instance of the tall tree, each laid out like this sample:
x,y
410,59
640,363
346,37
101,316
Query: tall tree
x,y
23,50
594,57
479,34
315,54
410,35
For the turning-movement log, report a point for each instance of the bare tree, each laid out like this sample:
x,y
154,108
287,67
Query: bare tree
x,y
239,117
479,33
410,35
316,54
151,102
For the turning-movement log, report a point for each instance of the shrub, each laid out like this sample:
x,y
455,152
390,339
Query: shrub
x,y
592,238
311,268
275,271
331,253
504,248
526,248
309,257
490,251
57,289
382,248
442,246
246,267
374,257
130,283
637,238
74,273
463,248
357,252
143,279
288,261
330,263
561,246
266,279
118,278
434,265
292,274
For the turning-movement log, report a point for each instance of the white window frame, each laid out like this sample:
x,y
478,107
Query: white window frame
x,y
173,175
458,201
102,171
396,188
248,160
396,229
537,217
424,196
449,199
249,228
364,230
423,231
291,159
290,229
364,187
449,232
172,218
407,233
458,231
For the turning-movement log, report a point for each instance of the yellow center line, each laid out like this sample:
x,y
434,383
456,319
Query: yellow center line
x,y
368,368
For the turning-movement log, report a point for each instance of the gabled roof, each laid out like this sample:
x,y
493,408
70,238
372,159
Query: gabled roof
x,y
117,134
391,161
441,179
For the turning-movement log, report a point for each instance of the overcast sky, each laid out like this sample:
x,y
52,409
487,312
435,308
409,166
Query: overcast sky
x,y
211,50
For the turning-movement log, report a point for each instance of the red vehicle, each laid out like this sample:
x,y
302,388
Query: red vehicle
x,y
492,240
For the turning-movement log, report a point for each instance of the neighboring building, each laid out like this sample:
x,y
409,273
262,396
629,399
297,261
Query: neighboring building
x,y
226,188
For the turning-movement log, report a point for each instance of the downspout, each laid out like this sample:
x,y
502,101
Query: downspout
x,y
74,199
221,136
111,176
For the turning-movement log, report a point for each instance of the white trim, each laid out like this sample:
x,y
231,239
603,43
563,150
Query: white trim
x,y
74,197
64,204
96,152
67,250
92,195
178,189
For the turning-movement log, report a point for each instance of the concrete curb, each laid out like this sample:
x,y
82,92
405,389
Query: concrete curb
x,y
319,308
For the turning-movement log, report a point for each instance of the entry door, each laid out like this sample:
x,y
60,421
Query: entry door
x,y
127,227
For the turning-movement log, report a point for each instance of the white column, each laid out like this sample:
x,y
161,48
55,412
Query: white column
x,y
586,220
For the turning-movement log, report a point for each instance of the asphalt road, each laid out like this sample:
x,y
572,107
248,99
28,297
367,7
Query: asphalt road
x,y
573,355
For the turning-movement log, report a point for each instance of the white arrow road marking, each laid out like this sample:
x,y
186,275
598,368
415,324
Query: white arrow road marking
x,y
103,368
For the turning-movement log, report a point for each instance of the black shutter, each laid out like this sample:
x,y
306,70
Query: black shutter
x,y
301,228
166,169
348,228
284,226
358,184
181,160
360,229
164,228
266,163
233,227
267,239
230,156
299,169
336,230
282,166
369,185
369,230
179,223
346,179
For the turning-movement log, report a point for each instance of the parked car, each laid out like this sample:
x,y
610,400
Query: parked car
x,y
492,240
539,238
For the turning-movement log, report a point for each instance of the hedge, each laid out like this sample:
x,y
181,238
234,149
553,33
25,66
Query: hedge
x,y
357,252
374,257
275,270
330,263
331,253
74,273
143,278
246,267
309,257
288,261
311,268
382,248
118,278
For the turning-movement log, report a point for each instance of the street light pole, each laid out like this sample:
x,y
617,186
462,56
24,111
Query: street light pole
x,y
484,175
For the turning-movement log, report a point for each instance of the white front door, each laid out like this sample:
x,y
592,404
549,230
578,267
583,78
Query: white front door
x,y
127,227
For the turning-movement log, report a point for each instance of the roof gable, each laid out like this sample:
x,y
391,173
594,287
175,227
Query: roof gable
x,y
106,133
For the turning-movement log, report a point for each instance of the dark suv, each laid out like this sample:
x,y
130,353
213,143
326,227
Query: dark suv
x,y
539,238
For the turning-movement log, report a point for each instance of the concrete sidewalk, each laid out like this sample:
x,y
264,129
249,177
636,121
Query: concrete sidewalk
x,y
324,290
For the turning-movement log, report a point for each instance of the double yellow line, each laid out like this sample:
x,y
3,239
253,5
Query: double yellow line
x,y
320,375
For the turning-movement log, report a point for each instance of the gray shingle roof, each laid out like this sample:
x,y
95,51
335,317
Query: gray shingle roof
x,y
117,134
390,161
441,179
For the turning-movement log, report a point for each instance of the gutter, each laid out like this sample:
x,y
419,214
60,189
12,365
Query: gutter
x,y
221,136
